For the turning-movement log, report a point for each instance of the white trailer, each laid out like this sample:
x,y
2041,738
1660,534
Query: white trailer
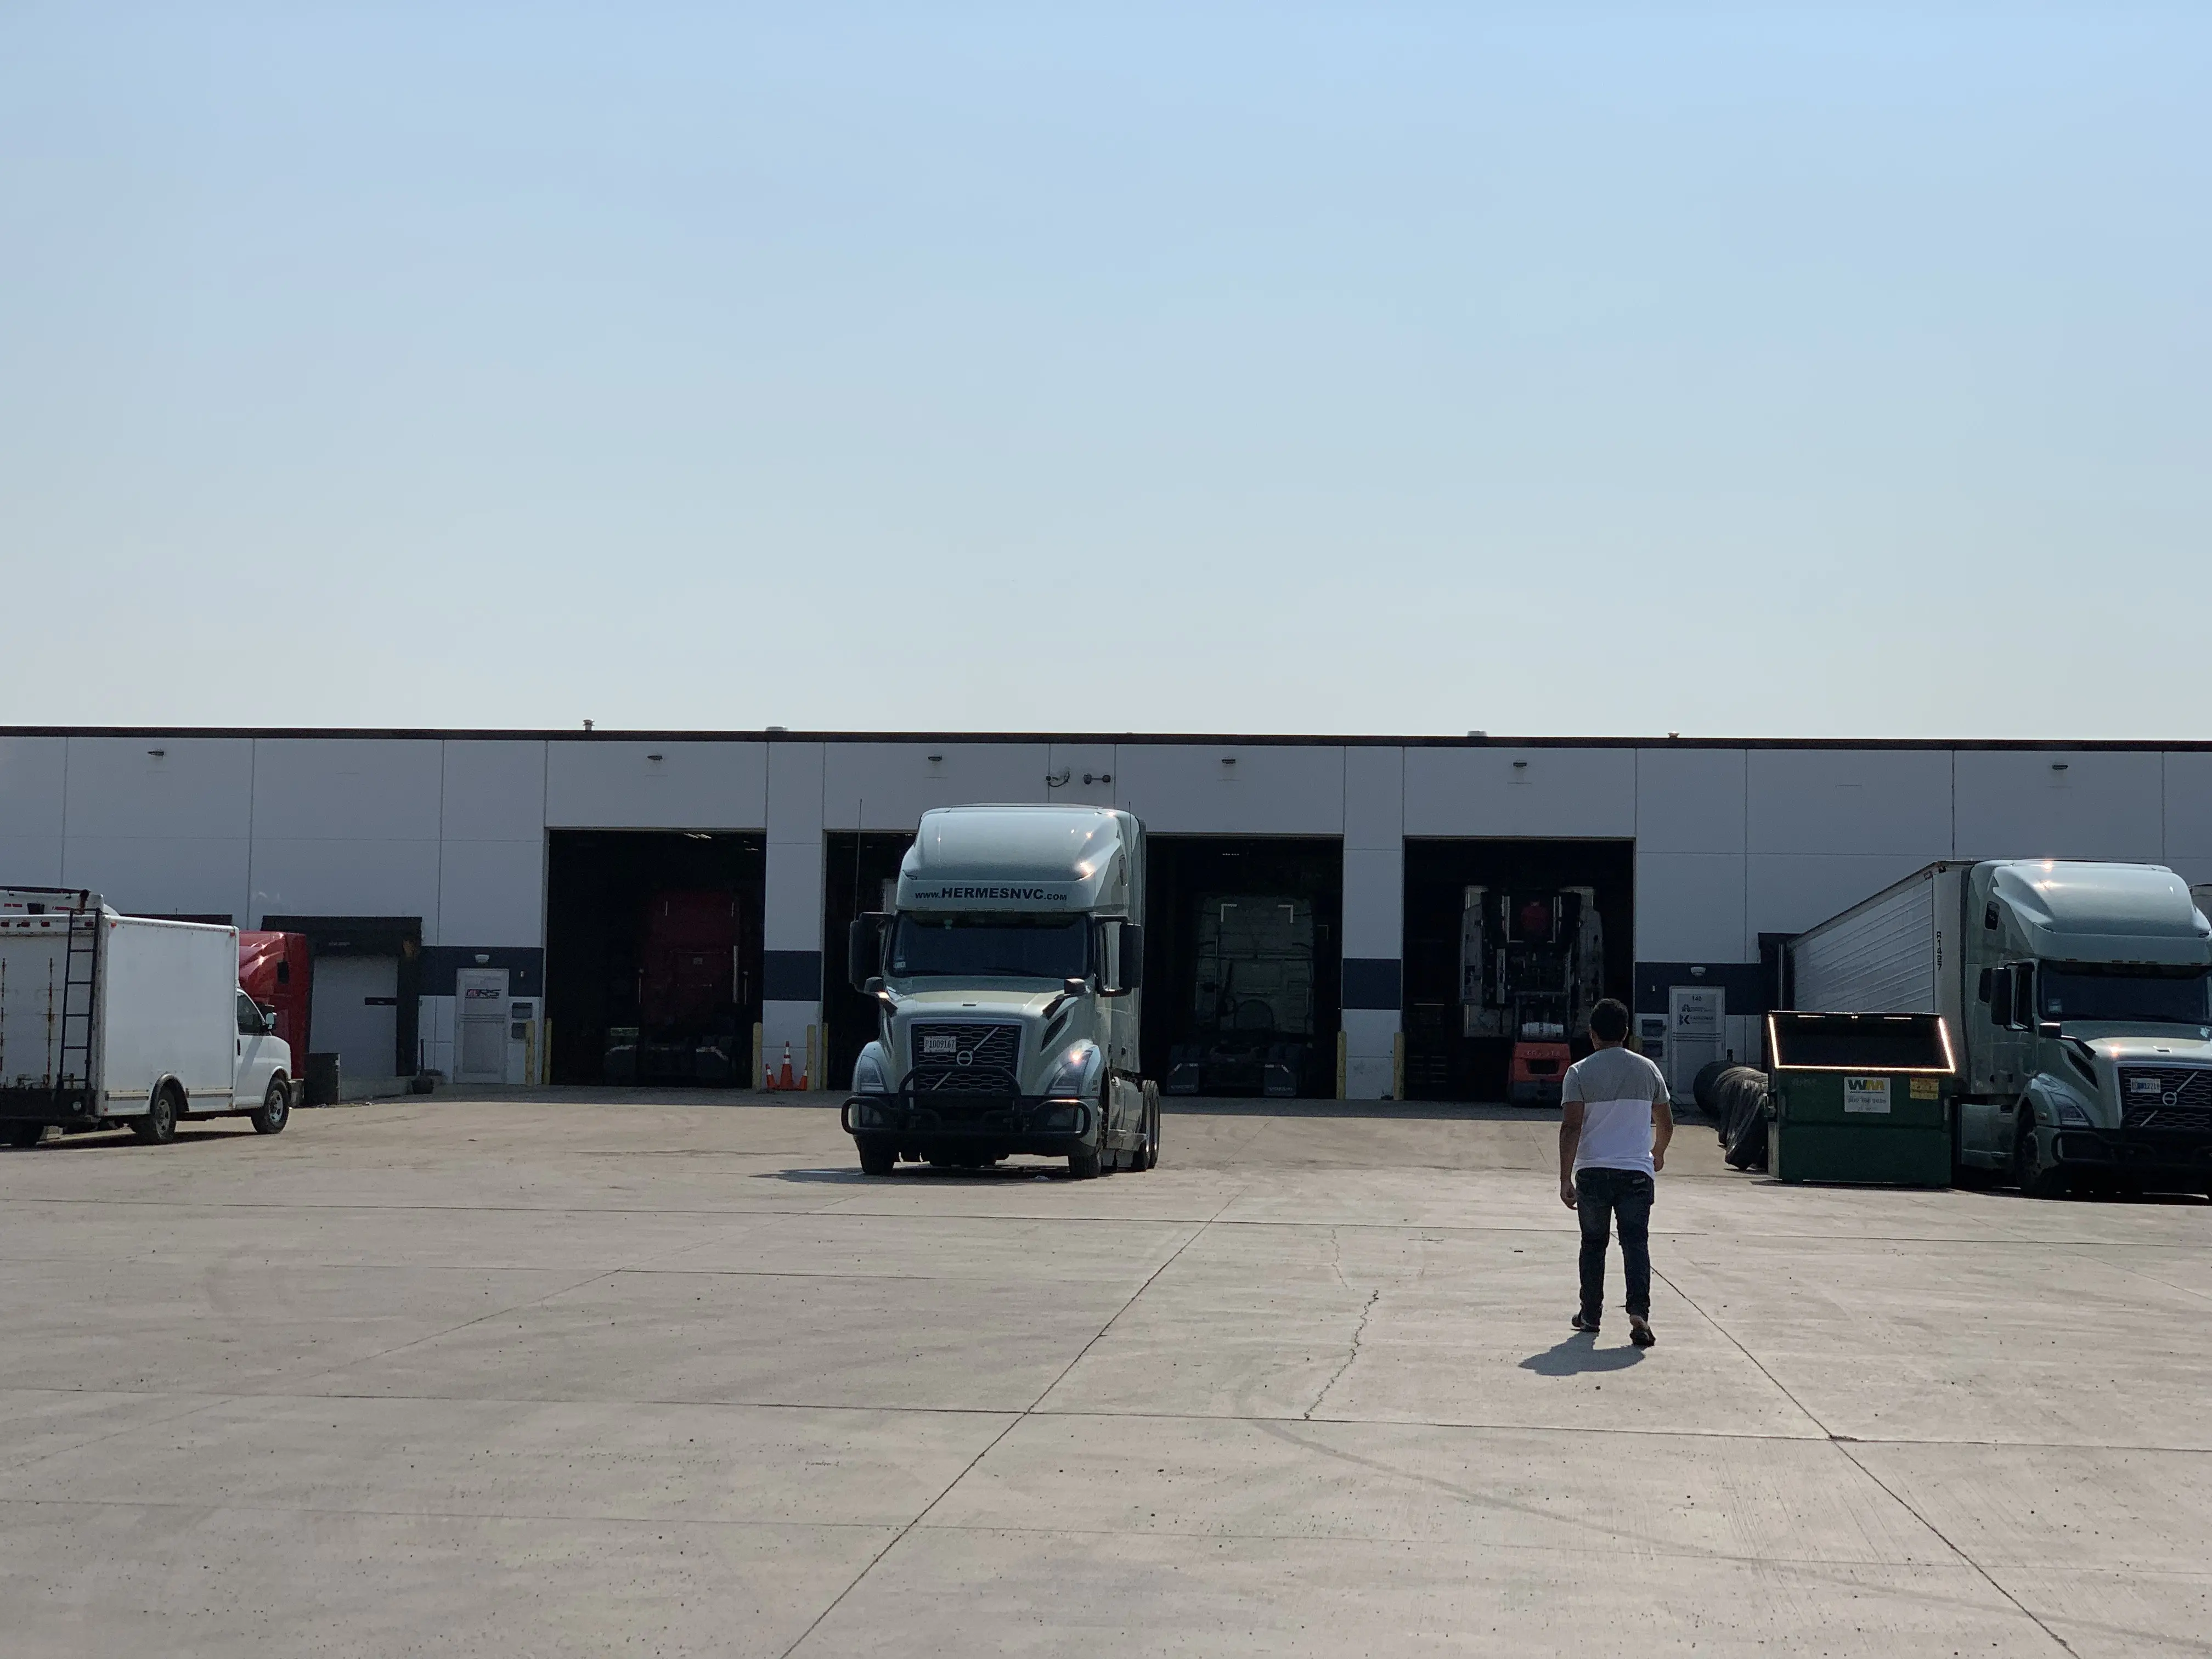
x,y
1888,954
108,1021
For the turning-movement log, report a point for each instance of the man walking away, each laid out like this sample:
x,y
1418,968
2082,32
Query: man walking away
x,y
1615,1124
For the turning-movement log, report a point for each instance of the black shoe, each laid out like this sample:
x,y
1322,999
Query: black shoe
x,y
1583,1322
1639,1331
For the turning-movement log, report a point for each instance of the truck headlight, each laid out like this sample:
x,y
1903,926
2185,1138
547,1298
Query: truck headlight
x,y
2069,1114
1076,1076
871,1075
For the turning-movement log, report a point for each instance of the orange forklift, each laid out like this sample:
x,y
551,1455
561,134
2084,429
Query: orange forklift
x,y
1531,964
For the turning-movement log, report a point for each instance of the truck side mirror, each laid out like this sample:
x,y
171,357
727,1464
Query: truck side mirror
x,y
2049,1028
1120,957
864,951
2001,997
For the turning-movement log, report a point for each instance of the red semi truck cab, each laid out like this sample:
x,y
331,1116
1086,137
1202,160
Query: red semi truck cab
x,y
276,970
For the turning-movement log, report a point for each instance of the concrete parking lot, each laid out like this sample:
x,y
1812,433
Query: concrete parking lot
x,y
556,1375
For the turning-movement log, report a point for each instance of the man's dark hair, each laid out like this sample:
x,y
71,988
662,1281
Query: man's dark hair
x,y
1608,1021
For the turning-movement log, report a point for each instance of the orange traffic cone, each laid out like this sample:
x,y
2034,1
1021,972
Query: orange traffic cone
x,y
784,1079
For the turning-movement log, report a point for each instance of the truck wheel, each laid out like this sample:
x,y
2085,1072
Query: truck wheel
x,y
878,1157
2036,1178
25,1134
1150,1158
159,1125
1084,1165
276,1110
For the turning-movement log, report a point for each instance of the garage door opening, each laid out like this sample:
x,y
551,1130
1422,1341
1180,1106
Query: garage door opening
x,y
653,956
860,875
1507,941
1243,964
365,992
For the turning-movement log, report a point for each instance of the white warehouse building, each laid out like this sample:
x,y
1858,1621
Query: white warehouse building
x,y
651,906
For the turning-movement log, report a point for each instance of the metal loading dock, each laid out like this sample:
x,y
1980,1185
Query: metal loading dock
x,y
1442,1061
653,956
1243,963
860,872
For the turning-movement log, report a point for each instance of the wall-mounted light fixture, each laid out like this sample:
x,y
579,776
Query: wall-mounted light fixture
x,y
157,753
2058,766
655,757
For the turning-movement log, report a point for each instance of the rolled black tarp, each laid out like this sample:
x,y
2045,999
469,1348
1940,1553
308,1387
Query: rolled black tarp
x,y
1739,1095
1701,1086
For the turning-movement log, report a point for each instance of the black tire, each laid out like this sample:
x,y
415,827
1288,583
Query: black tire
x,y
1085,1162
276,1110
878,1157
159,1125
2035,1178
1150,1158
23,1135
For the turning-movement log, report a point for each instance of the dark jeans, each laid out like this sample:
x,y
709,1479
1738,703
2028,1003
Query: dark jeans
x,y
1602,1194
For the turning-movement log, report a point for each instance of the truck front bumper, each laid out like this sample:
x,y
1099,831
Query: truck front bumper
x,y
1050,1125
2184,1158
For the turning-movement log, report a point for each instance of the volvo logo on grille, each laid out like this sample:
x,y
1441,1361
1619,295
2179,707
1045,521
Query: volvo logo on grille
x,y
966,1057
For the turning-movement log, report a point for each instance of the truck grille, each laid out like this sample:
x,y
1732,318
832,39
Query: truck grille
x,y
2166,1098
981,1060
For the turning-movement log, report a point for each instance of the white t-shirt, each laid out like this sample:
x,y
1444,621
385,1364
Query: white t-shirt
x,y
1618,1088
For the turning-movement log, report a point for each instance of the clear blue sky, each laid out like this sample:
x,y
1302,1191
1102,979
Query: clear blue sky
x,y
1564,369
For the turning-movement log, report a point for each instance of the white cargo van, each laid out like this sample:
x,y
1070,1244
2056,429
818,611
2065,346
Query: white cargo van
x,y
108,1021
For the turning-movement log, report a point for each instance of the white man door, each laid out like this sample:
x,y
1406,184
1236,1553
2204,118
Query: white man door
x,y
480,1025
1696,1020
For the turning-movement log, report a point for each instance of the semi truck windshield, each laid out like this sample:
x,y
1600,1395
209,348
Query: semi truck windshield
x,y
990,946
2083,991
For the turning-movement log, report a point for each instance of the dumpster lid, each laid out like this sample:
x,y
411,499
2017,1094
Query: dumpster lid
x,y
1859,1043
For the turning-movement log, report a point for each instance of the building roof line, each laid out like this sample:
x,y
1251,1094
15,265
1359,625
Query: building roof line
x,y
1196,740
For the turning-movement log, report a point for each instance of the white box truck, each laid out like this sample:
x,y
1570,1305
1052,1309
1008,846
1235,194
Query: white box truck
x,y
1008,975
2081,997
108,1021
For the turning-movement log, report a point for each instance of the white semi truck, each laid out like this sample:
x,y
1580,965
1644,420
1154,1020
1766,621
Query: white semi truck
x,y
109,1020
2081,995
1008,977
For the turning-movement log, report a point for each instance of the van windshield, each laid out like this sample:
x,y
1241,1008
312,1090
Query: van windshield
x,y
2129,993
990,946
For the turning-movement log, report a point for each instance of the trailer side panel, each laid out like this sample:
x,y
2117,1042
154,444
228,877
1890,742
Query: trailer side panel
x,y
1878,957
167,1008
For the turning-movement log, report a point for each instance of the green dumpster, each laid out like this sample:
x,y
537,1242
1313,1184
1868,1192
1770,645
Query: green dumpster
x,y
1864,1098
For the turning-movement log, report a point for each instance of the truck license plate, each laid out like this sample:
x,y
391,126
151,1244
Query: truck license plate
x,y
947,1044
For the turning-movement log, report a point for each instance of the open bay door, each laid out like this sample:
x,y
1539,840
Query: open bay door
x,y
1697,1019
480,1017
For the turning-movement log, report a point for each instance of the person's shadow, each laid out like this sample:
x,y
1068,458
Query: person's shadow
x,y
1579,1353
